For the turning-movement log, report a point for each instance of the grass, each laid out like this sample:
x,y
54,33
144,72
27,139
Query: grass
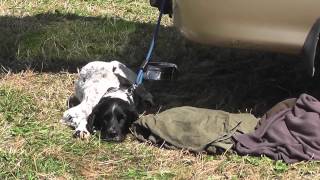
x,y
44,42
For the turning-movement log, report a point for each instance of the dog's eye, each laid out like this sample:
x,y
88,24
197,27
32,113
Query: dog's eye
x,y
120,118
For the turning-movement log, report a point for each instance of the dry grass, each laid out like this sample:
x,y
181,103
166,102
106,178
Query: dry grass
x,y
43,42
130,159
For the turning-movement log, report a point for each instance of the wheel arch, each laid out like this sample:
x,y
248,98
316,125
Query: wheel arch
x,y
311,48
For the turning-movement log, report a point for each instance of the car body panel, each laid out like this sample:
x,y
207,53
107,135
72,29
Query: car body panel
x,y
272,25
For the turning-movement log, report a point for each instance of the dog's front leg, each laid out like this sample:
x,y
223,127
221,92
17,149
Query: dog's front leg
x,y
85,108
76,117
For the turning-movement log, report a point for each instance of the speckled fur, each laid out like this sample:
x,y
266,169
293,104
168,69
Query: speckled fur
x,y
95,79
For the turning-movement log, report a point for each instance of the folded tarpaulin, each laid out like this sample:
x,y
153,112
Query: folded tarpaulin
x,y
194,129
290,132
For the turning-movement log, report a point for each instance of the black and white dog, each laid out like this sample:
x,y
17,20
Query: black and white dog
x,y
105,101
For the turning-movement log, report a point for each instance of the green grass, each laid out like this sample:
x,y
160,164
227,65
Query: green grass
x,y
65,39
32,149
42,34
43,43
90,39
26,161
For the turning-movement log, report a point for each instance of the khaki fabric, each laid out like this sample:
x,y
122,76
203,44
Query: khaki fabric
x,y
195,129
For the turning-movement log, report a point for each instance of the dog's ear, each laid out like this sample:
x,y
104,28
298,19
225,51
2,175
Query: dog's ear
x,y
133,115
90,122
142,98
92,118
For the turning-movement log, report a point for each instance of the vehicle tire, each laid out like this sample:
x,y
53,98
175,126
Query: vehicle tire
x,y
317,61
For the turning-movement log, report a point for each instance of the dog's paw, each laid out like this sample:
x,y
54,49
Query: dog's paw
x,y
82,134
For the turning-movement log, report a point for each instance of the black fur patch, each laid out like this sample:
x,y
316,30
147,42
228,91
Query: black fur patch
x,y
113,117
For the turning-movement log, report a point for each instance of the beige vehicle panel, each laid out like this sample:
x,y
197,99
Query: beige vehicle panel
x,y
275,25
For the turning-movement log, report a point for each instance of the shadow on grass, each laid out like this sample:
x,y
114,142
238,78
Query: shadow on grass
x,y
218,78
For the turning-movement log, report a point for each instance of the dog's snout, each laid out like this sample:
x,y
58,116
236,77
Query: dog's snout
x,y
112,131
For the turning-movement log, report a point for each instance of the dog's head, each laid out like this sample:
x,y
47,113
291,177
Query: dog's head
x,y
112,116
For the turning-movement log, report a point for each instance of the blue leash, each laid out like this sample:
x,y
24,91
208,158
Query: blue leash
x,y
151,48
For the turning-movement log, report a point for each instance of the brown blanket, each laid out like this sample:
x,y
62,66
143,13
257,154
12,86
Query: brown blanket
x,y
290,131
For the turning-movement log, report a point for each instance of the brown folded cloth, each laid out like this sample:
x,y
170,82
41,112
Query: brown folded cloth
x,y
290,131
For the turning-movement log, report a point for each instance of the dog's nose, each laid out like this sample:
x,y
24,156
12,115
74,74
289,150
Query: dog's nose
x,y
112,132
